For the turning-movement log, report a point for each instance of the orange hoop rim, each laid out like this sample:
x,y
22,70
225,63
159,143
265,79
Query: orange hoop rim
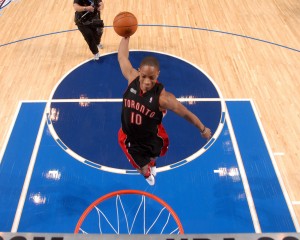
x,y
123,192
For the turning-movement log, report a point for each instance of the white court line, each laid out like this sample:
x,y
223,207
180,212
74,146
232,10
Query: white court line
x,y
284,191
296,202
181,99
256,108
22,199
91,100
243,176
8,135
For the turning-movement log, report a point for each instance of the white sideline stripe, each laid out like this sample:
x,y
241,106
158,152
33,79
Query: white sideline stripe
x,y
22,199
296,202
244,177
284,191
9,132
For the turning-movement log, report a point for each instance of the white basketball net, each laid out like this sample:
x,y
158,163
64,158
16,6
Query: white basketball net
x,y
112,220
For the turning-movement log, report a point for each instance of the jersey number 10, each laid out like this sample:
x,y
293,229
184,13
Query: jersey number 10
x,y
136,118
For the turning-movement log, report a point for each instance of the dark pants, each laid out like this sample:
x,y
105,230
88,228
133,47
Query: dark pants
x,y
92,36
140,154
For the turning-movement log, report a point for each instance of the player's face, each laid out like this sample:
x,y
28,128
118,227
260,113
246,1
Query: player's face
x,y
148,77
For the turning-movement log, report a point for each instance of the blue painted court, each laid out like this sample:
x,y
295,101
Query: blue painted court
x,y
62,155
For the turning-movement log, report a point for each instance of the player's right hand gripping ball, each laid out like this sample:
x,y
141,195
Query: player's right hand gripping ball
x,y
125,24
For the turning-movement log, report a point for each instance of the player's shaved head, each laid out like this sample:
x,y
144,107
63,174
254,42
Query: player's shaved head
x,y
150,61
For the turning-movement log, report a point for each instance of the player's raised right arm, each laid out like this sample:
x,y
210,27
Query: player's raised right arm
x,y
123,57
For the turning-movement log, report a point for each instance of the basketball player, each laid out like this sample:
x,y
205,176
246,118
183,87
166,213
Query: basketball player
x,y
142,136
87,19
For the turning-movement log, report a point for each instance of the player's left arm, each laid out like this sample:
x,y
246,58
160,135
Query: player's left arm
x,y
168,101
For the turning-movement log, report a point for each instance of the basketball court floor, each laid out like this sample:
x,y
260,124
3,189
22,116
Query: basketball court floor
x,y
62,170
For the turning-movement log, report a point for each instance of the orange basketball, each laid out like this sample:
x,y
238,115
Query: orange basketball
x,y
125,24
